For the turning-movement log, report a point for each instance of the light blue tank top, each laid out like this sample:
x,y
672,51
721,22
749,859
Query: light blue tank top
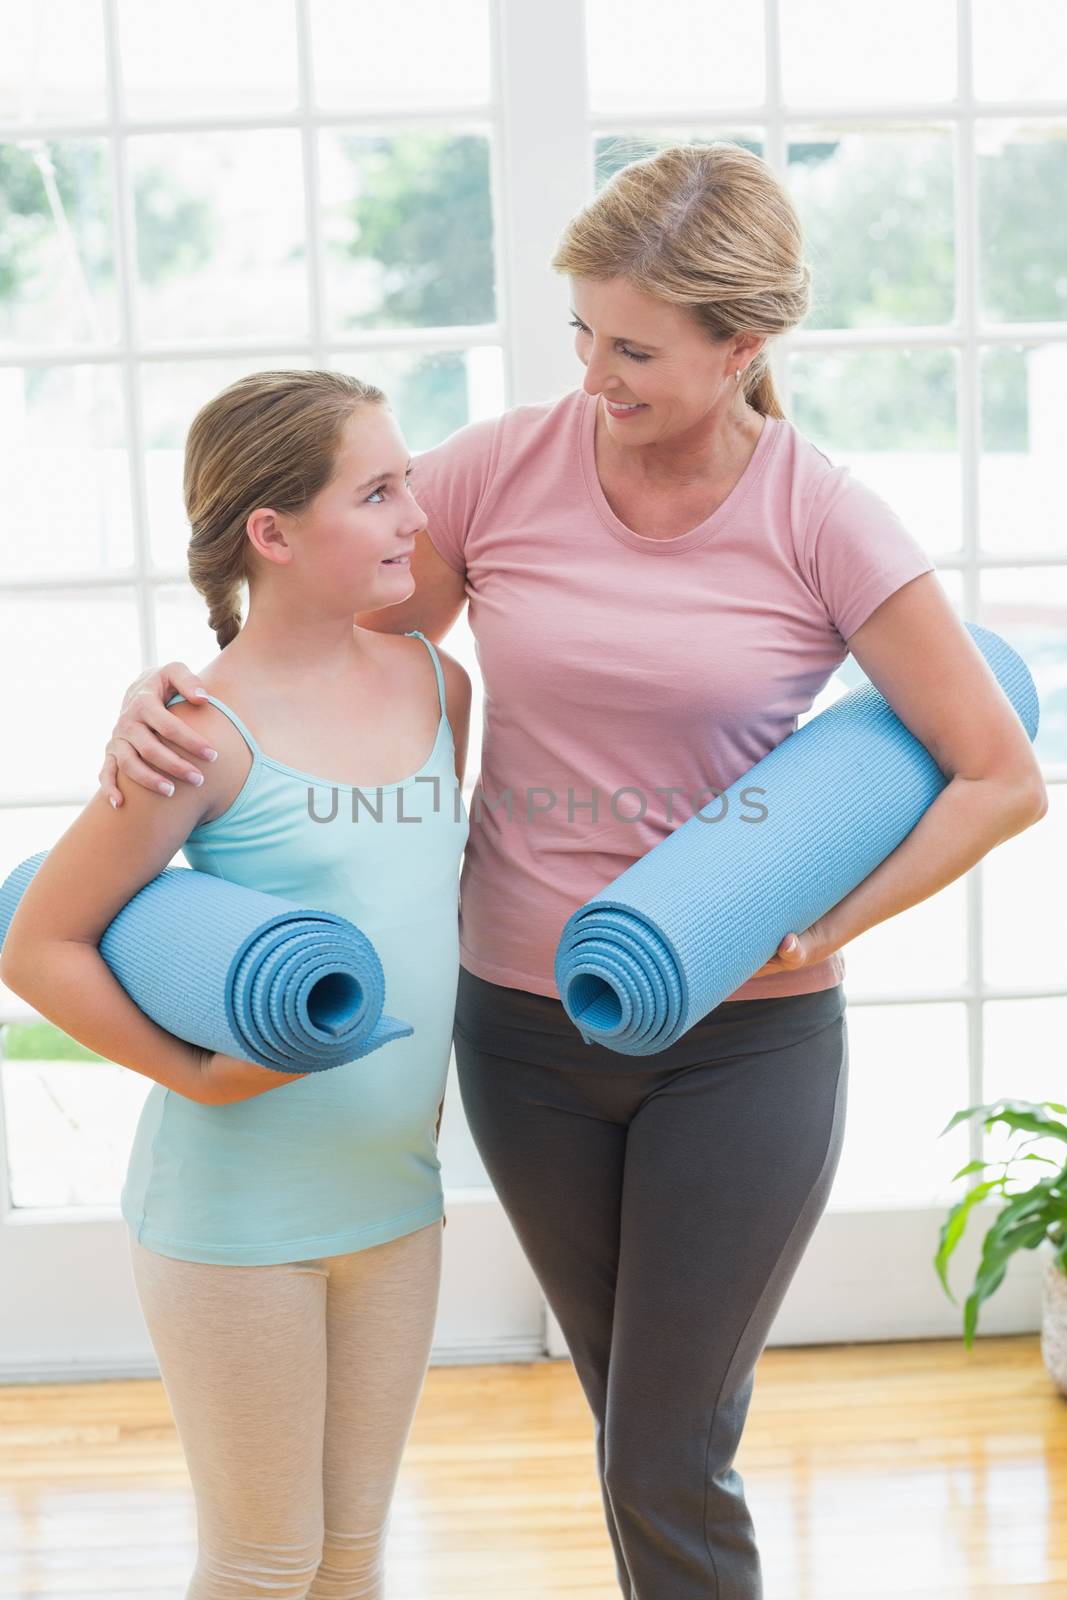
x,y
338,1160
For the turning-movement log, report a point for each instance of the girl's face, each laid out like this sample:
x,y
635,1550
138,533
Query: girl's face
x,y
352,543
657,373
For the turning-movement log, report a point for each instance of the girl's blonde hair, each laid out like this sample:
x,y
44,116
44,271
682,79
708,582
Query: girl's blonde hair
x,y
270,439
706,227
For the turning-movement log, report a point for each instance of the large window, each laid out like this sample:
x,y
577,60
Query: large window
x,y
192,191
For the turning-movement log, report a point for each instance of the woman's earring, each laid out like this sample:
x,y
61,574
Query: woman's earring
x,y
737,375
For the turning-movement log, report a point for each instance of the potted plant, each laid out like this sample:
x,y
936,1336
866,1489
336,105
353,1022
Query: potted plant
x,y
1029,1218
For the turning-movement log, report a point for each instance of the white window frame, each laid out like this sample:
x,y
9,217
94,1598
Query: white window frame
x,y
541,130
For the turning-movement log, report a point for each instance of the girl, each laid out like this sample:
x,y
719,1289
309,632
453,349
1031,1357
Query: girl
x,y
285,1229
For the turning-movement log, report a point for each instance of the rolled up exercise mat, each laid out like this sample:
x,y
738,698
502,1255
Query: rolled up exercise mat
x,y
656,950
231,969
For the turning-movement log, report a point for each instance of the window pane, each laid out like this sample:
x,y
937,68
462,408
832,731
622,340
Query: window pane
x,y
616,150
220,234
1024,1061
1024,426
52,63
890,415
172,392
57,269
924,947
907,1075
433,394
1028,606
688,54
70,1118
408,230
199,58
1022,228
79,648
423,52
23,831
876,206
1025,927
1019,51
182,632
835,52
64,479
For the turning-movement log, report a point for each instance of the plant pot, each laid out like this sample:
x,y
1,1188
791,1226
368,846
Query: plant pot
x,y
1053,1316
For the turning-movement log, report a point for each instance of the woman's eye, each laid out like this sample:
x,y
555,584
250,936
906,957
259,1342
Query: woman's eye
x,y
633,355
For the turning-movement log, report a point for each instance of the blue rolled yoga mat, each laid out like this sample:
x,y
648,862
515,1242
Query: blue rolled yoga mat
x,y
692,920
231,969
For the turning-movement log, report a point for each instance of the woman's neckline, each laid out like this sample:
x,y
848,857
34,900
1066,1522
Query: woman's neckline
x,y
694,537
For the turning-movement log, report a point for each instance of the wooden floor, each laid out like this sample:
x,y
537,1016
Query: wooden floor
x,y
899,1470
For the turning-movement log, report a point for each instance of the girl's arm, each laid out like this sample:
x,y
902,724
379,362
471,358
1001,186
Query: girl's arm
x,y
50,955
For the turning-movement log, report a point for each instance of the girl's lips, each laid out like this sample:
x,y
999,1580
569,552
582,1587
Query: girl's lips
x,y
397,561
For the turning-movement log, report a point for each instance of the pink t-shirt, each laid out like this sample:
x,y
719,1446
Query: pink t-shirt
x,y
613,662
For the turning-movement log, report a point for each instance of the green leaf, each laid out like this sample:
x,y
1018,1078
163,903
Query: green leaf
x,y
1027,1114
974,1166
955,1223
993,1266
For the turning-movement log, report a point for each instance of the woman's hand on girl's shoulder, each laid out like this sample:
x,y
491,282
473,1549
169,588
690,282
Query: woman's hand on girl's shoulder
x,y
136,748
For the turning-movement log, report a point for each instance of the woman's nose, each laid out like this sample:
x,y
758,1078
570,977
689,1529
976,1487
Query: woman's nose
x,y
595,373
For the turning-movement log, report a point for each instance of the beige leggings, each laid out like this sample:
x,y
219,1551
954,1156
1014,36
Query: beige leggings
x,y
293,1389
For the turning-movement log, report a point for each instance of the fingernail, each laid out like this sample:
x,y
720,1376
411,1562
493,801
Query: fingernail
x,y
791,942
211,755
197,778
166,788
201,692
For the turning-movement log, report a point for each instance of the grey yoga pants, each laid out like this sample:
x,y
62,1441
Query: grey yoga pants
x,y
664,1203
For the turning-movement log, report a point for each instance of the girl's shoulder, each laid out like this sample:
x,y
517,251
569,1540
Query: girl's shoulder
x,y
414,655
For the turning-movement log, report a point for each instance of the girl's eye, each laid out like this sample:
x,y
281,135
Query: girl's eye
x,y
633,354
383,488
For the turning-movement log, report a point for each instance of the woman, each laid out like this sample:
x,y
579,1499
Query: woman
x,y
662,573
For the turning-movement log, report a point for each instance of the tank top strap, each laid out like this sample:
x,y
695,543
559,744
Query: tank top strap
x,y
414,633
234,718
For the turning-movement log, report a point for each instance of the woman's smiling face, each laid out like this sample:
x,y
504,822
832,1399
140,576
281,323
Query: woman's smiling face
x,y
639,351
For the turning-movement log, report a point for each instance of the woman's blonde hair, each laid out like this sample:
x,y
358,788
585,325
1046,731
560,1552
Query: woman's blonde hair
x,y
270,439
706,227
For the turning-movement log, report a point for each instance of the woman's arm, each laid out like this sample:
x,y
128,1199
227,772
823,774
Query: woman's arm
x,y
137,748
923,662
50,955
439,596
457,708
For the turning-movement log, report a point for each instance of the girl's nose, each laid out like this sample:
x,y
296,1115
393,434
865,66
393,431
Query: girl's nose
x,y
416,516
